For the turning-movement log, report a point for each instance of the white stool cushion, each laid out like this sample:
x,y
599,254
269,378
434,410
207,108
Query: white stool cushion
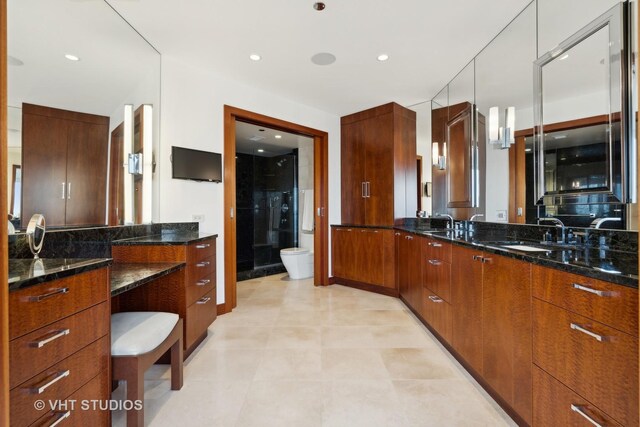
x,y
134,333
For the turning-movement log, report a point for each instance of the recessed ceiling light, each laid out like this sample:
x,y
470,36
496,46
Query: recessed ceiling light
x,y
383,57
323,58
255,57
71,57
278,136
260,150
12,60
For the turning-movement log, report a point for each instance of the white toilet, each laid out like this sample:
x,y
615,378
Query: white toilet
x,y
298,262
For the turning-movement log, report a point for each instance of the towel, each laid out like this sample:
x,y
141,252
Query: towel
x,y
307,211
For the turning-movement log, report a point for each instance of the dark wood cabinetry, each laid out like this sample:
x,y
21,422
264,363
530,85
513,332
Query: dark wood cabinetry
x,y
378,156
363,255
64,161
409,268
436,279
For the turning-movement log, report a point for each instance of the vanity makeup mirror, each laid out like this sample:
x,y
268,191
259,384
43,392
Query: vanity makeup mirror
x,y
35,234
72,68
580,132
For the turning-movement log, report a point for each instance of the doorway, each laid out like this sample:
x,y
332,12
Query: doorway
x,y
233,116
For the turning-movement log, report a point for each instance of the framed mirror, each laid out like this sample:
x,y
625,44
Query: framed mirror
x,y
68,85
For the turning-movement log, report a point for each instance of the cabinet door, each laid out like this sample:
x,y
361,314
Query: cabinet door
x,y
353,161
44,168
459,160
507,335
87,174
342,252
379,169
410,270
370,256
466,301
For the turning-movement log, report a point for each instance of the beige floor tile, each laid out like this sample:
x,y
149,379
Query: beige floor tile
x,y
401,337
347,337
361,403
418,363
240,337
294,337
344,317
353,363
290,364
282,403
288,317
223,364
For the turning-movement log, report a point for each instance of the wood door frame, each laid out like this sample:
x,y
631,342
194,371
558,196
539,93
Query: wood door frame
x,y
419,170
14,174
321,195
4,262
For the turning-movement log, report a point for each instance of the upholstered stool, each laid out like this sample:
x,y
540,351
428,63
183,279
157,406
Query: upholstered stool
x,y
138,340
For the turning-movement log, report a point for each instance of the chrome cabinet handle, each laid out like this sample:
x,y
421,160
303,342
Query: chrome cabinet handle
x,y
203,264
591,290
368,189
486,260
578,409
397,234
579,328
435,298
59,417
45,341
49,295
436,245
435,262
203,300
477,257
364,189
69,190
203,282
64,196
43,387
203,246
408,237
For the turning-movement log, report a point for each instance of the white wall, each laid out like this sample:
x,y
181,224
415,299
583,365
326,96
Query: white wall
x,y
423,145
192,116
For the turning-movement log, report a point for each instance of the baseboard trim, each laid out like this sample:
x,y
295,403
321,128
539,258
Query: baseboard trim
x,y
392,292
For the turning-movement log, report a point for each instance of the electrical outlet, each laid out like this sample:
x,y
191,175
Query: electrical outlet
x,y
197,217
501,215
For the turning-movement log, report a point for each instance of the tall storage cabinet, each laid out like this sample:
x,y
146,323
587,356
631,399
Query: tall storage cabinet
x,y
378,165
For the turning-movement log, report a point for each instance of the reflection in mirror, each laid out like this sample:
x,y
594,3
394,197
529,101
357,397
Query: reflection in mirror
x,y
424,150
76,81
580,126
35,234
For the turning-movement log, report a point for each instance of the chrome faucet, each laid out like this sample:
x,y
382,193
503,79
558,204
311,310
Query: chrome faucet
x,y
597,223
447,216
474,216
558,223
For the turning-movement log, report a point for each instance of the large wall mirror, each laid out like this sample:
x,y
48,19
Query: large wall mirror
x,y
83,95
585,92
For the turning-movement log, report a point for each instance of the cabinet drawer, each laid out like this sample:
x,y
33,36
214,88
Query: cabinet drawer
x,y
556,405
438,250
198,269
82,413
196,290
38,350
201,250
437,313
437,277
200,315
605,302
602,370
59,381
37,306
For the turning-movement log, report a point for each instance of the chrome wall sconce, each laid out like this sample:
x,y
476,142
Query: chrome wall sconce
x,y
501,136
439,160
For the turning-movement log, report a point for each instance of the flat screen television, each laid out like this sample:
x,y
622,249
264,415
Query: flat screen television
x,y
196,165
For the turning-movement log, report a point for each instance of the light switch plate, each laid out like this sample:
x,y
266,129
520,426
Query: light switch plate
x,y
197,217
501,215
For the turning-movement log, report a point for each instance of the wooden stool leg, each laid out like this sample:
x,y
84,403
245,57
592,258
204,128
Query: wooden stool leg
x,y
135,392
176,365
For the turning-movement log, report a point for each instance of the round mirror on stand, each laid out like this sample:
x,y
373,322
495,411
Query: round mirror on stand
x,y
35,234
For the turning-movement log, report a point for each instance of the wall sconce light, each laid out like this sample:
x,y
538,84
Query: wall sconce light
x,y
502,136
437,159
127,148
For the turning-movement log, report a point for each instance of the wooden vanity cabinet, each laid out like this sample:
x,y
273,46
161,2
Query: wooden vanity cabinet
x,y
378,165
436,307
364,256
60,348
193,297
409,262
585,340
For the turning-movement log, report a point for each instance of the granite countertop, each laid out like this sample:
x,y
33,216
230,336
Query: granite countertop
x,y
382,227
610,265
125,276
29,272
179,238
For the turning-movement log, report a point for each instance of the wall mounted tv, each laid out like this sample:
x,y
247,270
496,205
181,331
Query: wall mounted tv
x,y
196,165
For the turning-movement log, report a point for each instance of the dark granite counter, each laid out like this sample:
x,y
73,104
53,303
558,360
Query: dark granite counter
x,y
383,227
125,277
614,266
29,272
181,238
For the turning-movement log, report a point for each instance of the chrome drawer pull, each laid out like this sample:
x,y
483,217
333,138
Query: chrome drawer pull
x,y
59,418
579,328
578,409
435,262
397,234
408,237
203,264
55,336
49,295
436,245
203,282
203,300
203,246
486,260
591,290
435,298
42,388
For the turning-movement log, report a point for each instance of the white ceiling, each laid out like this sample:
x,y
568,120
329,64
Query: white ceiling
x,y
250,138
427,41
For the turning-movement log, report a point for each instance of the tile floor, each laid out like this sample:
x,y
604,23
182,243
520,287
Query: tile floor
x,y
292,354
